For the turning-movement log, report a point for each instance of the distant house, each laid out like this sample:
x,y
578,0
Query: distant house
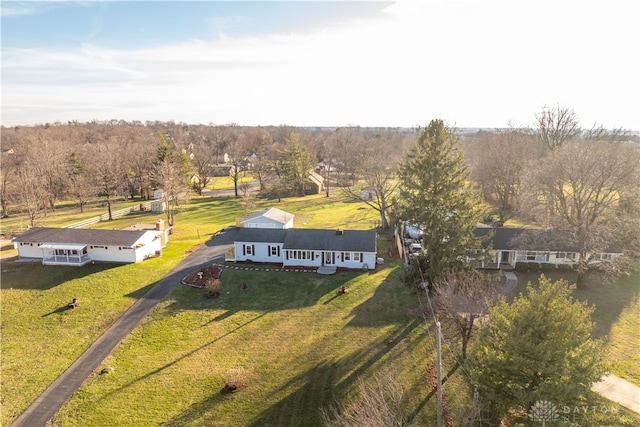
x,y
506,250
368,194
79,246
270,218
300,247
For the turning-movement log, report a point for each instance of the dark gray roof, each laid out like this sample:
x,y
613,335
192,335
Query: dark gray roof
x,y
505,238
330,240
502,239
312,239
261,235
81,235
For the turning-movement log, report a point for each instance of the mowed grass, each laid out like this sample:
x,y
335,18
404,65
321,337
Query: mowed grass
x,y
40,339
295,345
616,317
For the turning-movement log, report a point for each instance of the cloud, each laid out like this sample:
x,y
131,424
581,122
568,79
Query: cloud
x,y
470,63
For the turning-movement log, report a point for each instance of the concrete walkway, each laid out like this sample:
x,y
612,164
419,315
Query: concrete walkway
x,y
40,412
620,391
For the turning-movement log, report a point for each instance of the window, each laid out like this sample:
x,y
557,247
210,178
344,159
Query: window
x,y
356,256
273,250
347,256
566,255
605,257
248,249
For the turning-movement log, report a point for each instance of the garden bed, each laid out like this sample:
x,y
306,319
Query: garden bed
x,y
199,277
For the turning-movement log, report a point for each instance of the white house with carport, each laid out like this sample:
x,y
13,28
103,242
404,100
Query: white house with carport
x,y
506,253
79,246
305,247
270,218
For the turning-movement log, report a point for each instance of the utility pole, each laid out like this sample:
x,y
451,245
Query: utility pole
x,y
439,365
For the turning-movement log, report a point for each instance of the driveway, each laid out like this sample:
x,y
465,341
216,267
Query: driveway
x,y
52,399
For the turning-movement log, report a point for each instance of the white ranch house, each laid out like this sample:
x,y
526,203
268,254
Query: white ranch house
x,y
303,247
505,252
79,246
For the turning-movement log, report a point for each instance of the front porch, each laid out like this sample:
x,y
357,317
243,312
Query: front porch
x,y
72,260
65,254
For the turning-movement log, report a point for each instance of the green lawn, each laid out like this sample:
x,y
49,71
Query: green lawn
x,y
294,344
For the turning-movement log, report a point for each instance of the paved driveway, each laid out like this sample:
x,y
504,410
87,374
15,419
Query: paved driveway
x,y
52,399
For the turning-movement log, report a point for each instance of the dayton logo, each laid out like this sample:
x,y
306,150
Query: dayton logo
x,y
543,411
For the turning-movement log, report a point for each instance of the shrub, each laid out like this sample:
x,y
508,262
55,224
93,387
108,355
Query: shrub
x,y
214,286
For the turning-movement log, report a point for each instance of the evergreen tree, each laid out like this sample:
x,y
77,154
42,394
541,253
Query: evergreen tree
x,y
435,196
538,348
295,164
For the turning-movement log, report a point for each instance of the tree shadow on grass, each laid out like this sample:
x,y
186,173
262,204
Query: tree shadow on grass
x,y
35,276
265,291
384,307
609,296
183,357
328,382
321,385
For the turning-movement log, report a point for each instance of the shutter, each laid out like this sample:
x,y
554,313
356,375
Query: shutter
x,y
244,249
253,250
342,257
313,256
278,250
361,257
286,254
333,257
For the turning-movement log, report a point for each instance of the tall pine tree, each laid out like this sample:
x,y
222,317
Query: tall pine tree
x,y
435,195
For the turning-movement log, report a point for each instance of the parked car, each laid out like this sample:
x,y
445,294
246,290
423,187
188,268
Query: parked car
x,y
415,249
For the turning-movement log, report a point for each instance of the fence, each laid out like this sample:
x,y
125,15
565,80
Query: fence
x,y
105,217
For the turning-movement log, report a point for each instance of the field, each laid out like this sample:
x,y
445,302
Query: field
x,y
295,345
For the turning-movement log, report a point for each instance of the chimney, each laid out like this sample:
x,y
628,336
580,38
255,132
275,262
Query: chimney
x,y
160,225
339,231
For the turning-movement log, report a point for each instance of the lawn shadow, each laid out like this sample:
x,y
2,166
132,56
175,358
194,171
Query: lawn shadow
x,y
266,291
183,357
328,382
609,296
35,276
61,309
382,308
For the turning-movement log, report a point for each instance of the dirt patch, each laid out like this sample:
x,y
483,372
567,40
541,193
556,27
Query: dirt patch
x,y
198,278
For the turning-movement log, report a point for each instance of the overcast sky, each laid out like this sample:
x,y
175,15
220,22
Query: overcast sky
x,y
474,63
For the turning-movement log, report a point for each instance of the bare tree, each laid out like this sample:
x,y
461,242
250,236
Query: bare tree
x,y
107,172
378,403
8,170
498,162
464,297
203,162
29,192
237,152
583,182
556,126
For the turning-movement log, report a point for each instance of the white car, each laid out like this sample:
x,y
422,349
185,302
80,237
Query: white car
x,y
415,249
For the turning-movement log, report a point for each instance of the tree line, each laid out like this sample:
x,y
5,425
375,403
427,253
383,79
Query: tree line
x,y
583,182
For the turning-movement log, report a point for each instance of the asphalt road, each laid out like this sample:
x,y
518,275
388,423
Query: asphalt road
x,y
52,399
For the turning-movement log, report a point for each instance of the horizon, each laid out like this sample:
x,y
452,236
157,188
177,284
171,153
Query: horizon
x,y
483,64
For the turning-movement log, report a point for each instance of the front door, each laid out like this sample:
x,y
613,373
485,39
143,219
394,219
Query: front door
x,y
328,258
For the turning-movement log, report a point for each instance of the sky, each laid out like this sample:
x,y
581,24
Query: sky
x,y
471,63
